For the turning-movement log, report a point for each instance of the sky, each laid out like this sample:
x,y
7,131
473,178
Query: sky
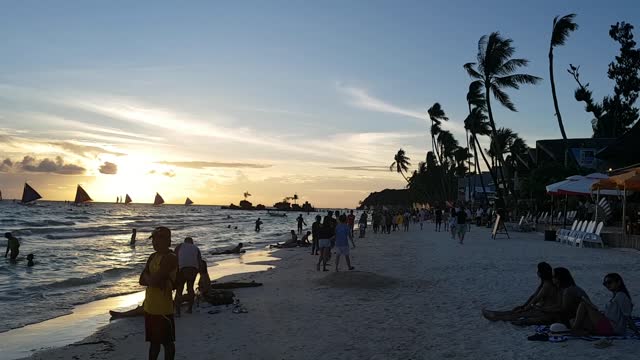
x,y
211,99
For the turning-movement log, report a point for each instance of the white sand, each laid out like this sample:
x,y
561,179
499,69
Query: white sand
x,y
416,295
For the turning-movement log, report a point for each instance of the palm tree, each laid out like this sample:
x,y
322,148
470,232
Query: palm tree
x,y
246,195
561,29
495,69
295,198
400,164
437,116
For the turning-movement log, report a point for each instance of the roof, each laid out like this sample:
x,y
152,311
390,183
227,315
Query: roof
x,y
555,147
625,150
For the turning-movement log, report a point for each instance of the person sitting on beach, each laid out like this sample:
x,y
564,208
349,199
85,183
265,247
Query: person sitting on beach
x,y
133,238
137,311
30,262
189,258
13,245
545,295
565,309
343,235
159,276
305,239
236,250
204,284
291,243
616,317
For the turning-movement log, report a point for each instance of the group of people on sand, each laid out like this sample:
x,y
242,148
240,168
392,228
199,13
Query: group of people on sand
x,y
559,300
333,232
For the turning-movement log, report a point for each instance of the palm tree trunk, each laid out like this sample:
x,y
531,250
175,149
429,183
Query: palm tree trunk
x,y
494,133
557,108
478,171
494,176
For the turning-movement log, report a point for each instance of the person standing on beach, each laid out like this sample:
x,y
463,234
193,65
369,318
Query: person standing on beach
x,y
13,245
326,235
189,258
315,234
362,224
133,237
438,219
258,223
388,221
461,221
159,276
300,220
343,235
351,221
452,222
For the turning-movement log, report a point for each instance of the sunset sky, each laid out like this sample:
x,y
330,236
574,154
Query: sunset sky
x,y
212,99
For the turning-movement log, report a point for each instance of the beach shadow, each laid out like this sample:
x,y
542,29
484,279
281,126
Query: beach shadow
x,y
356,280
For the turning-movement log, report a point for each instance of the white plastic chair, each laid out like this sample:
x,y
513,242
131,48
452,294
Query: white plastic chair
x,y
576,240
563,233
594,238
582,226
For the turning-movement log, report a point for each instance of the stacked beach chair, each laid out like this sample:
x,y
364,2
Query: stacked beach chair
x,y
581,233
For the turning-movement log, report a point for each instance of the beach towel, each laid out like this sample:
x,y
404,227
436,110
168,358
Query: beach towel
x,y
543,331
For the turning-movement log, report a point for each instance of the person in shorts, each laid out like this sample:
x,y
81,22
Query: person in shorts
x,y
189,258
159,276
343,235
326,235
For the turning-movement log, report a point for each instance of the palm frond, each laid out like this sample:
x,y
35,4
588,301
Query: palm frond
x,y
502,97
510,66
393,164
561,29
514,81
475,95
471,71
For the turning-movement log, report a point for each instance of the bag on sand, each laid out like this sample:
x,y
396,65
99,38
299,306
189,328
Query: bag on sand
x,y
219,297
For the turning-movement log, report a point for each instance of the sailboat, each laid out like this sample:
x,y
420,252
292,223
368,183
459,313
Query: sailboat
x,y
81,196
158,200
127,199
188,202
29,194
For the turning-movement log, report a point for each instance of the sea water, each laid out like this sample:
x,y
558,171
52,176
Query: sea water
x,y
82,253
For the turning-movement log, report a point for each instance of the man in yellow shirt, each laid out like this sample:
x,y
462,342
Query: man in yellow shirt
x,y
159,276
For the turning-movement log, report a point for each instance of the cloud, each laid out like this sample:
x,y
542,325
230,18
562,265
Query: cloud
x,y
212,164
6,165
108,168
84,150
169,173
46,165
361,99
151,172
361,168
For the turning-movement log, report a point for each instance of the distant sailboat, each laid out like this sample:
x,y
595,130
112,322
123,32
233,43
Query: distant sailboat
x,y
127,200
188,202
158,200
81,196
29,194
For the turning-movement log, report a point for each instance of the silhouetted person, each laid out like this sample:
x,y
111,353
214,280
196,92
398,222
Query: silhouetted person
x,y
189,258
258,223
300,220
133,237
13,245
30,260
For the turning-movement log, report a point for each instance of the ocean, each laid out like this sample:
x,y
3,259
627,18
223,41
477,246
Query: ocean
x,y
82,253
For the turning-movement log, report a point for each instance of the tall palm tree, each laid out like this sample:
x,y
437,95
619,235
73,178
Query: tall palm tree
x,y
477,124
246,195
561,29
437,116
495,69
400,164
295,198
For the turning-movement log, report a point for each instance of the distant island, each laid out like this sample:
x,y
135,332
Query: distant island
x,y
283,205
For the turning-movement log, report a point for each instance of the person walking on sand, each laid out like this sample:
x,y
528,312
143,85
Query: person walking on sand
x,y
300,220
452,222
461,221
13,246
343,235
326,235
315,234
438,219
159,276
189,258
258,223
133,238
362,224
351,221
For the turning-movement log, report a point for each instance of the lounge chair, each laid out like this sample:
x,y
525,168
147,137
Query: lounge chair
x,y
593,238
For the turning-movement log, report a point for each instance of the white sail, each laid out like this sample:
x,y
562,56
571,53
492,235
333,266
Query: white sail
x,y
158,200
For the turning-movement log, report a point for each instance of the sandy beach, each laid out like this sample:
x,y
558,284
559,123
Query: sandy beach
x,y
415,295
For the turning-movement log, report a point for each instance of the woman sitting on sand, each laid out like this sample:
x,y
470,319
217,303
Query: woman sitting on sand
x,y
562,312
546,294
617,314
